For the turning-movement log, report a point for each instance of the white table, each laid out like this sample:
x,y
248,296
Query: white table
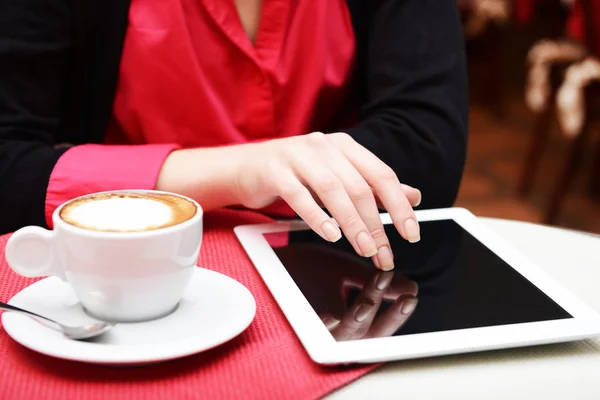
x,y
559,371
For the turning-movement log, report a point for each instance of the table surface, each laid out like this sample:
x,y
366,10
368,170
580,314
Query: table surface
x,y
557,371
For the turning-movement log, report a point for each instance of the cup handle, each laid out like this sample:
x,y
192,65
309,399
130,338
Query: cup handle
x,y
30,252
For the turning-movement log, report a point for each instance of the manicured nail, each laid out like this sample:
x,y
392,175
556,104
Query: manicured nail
x,y
409,305
366,244
331,232
385,257
363,310
331,322
418,203
383,280
411,230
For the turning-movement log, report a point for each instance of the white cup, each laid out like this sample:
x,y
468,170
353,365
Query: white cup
x,y
117,276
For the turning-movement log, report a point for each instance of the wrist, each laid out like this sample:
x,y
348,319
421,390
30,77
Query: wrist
x,y
208,175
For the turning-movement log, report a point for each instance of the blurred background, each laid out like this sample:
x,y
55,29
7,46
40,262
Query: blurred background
x,y
534,146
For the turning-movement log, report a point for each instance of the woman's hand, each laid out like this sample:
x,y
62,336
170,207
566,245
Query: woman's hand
x,y
306,171
335,171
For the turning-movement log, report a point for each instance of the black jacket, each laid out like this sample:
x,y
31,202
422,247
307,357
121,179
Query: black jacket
x,y
59,63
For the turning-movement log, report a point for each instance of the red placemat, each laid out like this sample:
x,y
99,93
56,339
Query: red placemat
x,y
265,362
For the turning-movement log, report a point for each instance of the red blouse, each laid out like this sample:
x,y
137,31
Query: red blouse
x,y
191,77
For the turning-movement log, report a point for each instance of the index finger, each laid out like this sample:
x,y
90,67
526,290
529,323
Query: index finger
x,y
388,188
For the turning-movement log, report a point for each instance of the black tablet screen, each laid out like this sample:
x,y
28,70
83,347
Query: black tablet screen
x,y
449,280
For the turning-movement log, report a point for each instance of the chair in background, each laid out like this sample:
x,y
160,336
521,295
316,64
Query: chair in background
x,y
560,64
578,112
484,21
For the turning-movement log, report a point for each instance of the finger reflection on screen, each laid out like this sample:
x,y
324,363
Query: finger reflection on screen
x,y
357,301
363,318
447,281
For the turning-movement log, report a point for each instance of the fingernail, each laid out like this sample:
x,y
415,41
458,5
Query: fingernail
x,y
331,232
409,305
383,280
385,257
411,230
366,244
331,322
363,310
418,203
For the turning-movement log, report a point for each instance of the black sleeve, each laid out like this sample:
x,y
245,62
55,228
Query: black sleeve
x,y
34,46
414,113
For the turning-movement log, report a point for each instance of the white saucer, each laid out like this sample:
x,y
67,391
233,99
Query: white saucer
x,y
214,309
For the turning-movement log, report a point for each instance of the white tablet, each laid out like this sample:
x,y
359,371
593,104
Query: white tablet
x,y
460,289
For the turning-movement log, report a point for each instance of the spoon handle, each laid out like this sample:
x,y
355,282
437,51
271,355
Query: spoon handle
x,y
8,307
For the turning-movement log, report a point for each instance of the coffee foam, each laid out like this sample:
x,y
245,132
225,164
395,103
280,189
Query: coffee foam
x,y
117,212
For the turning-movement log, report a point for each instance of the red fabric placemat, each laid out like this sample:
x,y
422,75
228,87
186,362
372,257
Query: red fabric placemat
x,y
265,362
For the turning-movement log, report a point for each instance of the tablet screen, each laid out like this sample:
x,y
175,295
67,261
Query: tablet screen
x,y
447,281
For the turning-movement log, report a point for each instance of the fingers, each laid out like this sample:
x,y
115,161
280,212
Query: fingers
x,y
349,181
297,196
393,318
401,287
362,196
387,186
356,321
412,195
330,189
330,321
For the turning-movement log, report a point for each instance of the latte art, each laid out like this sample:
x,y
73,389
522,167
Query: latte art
x,y
127,212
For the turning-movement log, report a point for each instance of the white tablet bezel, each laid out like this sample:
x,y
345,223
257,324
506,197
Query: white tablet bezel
x,y
324,349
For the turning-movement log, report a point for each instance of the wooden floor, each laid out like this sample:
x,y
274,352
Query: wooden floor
x,y
495,155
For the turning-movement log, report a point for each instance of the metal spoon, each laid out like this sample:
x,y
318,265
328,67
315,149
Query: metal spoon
x,y
85,331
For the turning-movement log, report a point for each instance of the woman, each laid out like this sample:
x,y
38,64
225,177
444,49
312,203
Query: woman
x,y
216,99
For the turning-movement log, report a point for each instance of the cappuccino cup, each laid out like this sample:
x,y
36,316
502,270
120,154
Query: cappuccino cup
x,y
128,254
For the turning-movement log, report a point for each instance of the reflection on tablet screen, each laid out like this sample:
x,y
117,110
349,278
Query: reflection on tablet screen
x,y
447,281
